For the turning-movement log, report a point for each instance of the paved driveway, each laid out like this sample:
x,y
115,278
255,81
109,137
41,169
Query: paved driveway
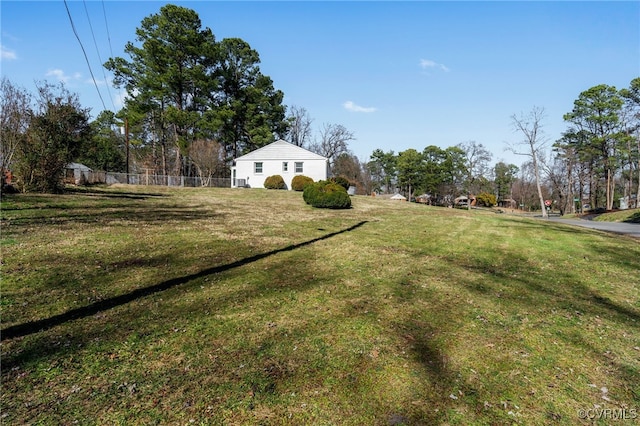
x,y
631,229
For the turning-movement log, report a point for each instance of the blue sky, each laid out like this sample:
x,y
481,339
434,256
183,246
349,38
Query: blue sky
x,y
398,75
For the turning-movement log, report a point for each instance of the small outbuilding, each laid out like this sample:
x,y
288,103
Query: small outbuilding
x,y
76,174
278,158
398,197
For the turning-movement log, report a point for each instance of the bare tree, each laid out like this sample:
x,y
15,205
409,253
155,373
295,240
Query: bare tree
x,y
333,141
356,172
524,191
208,157
534,142
559,174
348,166
299,132
476,161
15,116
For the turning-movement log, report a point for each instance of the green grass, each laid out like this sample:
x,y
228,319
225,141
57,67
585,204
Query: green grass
x,y
139,305
631,216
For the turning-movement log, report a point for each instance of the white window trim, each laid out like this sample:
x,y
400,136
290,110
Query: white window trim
x,y
295,166
255,167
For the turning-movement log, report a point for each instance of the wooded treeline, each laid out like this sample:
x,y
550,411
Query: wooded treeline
x,y
193,104
595,163
598,157
189,95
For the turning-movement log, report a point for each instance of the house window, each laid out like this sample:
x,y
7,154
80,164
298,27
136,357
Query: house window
x,y
257,167
285,166
299,167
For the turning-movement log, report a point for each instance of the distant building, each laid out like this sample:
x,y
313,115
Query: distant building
x,y
629,202
76,173
278,158
398,197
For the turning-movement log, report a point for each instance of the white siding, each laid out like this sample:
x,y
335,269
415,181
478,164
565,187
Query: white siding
x,y
272,157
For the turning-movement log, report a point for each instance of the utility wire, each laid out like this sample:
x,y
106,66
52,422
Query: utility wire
x,y
98,52
85,54
104,13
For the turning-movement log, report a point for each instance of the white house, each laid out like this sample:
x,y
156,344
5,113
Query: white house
x,y
278,158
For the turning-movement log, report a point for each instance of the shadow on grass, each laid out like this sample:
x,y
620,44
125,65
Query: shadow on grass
x,y
634,218
25,202
32,327
94,207
96,191
510,284
561,289
116,212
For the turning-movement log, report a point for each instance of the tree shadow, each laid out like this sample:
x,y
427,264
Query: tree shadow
x,y
114,212
24,329
94,191
511,284
425,332
99,208
149,316
634,218
32,201
530,286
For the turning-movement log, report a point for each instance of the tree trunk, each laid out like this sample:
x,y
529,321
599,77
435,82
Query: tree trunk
x,y
164,158
628,190
537,173
593,189
178,167
638,170
570,194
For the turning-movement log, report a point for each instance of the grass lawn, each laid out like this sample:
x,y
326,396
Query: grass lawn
x,y
631,215
148,305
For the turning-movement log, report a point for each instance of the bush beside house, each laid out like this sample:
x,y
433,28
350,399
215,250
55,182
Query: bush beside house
x,y
485,199
299,182
326,195
275,182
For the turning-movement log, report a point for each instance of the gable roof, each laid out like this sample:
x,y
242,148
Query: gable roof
x,y
78,166
281,150
399,197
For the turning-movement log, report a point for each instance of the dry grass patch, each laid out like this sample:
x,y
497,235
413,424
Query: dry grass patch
x,y
220,306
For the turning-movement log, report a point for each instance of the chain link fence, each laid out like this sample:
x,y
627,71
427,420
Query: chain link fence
x,y
86,177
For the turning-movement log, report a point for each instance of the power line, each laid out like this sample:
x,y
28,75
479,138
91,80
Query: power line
x,y
114,125
85,54
104,13
98,52
106,25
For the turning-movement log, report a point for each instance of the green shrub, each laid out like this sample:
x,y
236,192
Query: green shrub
x,y
342,181
299,182
485,199
275,182
326,195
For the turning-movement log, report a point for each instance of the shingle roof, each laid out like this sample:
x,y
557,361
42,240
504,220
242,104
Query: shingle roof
x,y
281,150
